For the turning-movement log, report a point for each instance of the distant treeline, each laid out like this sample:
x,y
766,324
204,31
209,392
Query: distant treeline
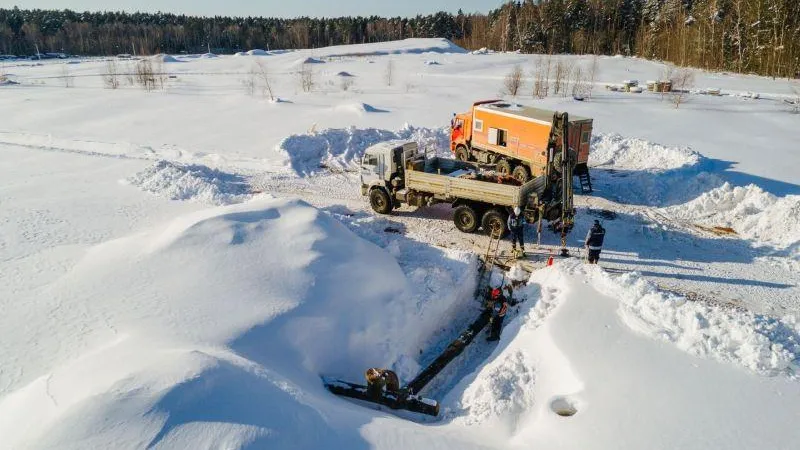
x,y
760,36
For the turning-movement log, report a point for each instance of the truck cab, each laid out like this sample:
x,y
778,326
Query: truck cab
x,y
383,165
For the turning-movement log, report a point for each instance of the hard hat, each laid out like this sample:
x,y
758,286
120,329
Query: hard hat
x,y
517,211
596,222
495,293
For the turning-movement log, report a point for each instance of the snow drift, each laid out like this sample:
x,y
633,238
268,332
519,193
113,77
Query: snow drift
x,y
636,171
751,212
192,182
341,149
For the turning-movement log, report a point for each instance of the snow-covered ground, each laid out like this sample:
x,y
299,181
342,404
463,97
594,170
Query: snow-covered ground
x,y
181,266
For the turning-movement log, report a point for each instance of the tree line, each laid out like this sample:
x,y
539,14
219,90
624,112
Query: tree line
x,y
750,36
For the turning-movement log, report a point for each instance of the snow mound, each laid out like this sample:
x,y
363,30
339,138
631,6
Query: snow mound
x,y
209,332
344,74
636,171
165,58
765,345
209,56
342,148
432,62
751,212
618,152
257,52
308,60
406,46
358,108
192,182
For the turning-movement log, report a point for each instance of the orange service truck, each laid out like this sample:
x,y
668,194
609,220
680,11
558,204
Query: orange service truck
x,y
516,139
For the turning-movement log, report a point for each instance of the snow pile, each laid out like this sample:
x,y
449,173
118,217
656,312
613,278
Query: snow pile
x,y
308,60
764,345
209,332
751,212
342,148
358,108
209,56
618,152
344,74
257,52
636,171
405,46
192,182
165,58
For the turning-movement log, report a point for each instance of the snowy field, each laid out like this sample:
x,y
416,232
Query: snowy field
x,y
180,267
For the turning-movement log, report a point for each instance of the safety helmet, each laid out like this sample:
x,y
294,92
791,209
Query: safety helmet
x,y
495,292
517,210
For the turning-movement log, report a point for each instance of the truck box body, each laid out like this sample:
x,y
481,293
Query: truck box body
x,y
519,133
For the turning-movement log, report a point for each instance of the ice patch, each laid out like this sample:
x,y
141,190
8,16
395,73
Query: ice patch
x,y
342,148
763,344
192,182
749,210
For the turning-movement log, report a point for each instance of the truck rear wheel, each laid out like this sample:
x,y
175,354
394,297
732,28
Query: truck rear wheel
x,y
380,202
504,167
465,219
462,154
493,221
521,174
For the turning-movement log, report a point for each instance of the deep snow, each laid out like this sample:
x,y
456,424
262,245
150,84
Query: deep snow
x,y
139,313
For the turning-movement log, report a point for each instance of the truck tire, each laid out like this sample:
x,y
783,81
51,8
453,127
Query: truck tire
x,y
462,154
380,201
521,174
465,218
504,167
494,219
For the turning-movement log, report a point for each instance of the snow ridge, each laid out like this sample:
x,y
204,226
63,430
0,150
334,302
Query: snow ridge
x,y
762,344
618,152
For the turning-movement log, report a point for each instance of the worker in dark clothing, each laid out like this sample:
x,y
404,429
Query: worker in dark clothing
x,y
594,242
499,309
380,380
516,223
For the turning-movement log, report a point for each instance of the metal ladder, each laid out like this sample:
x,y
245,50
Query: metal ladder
x,y
492,249
586,182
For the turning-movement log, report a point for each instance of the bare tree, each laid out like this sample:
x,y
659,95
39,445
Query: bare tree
x,y
594,70
539,79
580,85
111,77
794,101
69,80
249,82
513,81
145,77
388,75
307,77
266,81
561,77
682,82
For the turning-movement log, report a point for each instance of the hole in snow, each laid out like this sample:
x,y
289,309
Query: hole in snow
x,y
563,407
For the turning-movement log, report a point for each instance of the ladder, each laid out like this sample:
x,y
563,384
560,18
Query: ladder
x,y
586,182
492,249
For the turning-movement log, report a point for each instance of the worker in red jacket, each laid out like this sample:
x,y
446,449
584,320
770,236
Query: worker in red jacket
x,y
499,309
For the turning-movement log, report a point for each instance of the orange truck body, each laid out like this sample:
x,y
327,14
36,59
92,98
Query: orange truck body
x,y
494,130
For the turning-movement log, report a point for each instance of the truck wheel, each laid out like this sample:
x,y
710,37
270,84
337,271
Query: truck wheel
x,y
521,174
504,167
380,202
494,220
462,154
465,219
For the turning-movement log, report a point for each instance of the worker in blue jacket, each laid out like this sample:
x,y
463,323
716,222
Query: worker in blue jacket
x,y
516,224
594,242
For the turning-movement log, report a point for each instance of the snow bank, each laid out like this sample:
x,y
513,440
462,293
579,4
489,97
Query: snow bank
x,y
342,148
308,60
751,212
257,52
192,182
765,345
406,46
636,171
618,152
210,331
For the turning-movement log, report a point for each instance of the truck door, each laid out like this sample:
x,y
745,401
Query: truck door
x,y
372,168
